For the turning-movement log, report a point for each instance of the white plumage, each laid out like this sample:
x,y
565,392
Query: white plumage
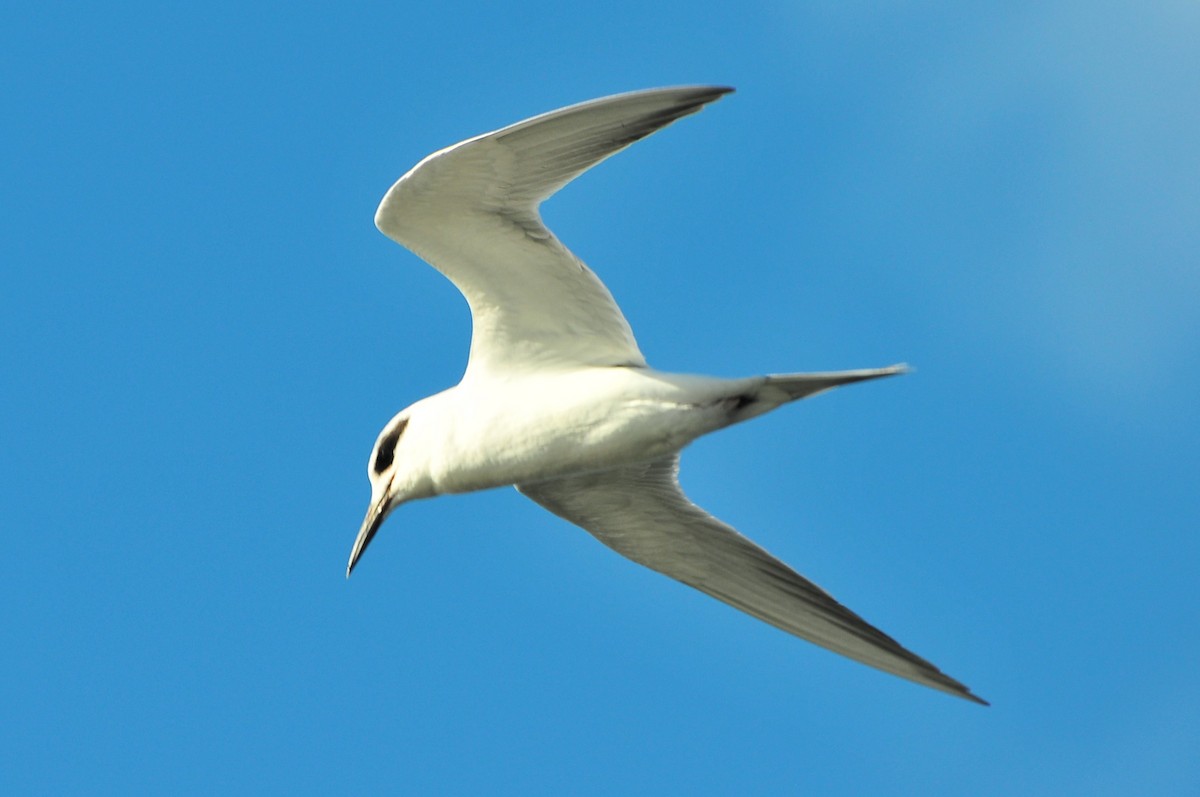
x,y
557,398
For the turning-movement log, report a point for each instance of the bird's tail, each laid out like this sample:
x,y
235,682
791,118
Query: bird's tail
x,y
798,386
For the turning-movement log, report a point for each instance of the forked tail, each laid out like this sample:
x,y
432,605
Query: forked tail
x,y
798,386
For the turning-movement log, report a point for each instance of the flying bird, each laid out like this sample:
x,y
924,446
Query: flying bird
x,y
557,398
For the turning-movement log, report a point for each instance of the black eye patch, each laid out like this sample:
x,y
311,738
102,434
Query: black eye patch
x,y
386,453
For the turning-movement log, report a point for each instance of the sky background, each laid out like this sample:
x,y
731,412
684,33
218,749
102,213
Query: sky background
x,y
202,334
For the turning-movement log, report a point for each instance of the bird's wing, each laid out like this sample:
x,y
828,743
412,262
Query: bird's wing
x,y
471,210
641,512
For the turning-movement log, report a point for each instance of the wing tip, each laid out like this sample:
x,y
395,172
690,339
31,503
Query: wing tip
x,y
955,688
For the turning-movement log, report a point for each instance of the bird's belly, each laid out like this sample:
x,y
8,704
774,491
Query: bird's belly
x,y
557,433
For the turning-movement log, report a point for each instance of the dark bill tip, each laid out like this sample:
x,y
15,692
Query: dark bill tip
x,y
371,523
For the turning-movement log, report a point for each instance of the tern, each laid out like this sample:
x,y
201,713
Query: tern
x,y
557,399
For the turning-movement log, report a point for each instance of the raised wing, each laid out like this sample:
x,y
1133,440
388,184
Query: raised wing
x,y
640,512
471,210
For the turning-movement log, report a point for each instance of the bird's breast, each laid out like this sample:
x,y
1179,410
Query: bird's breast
x,y
508,432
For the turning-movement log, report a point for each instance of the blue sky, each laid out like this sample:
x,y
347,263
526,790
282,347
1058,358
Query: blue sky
x,y
203,333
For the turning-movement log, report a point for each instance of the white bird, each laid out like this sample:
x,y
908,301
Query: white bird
x,y
557,398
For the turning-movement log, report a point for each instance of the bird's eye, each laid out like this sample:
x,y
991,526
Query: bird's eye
x,y
386,453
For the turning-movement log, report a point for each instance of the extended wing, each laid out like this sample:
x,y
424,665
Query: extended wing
x,y
641,512
471,210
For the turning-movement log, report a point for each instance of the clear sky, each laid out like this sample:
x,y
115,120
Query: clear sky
x,y
203,334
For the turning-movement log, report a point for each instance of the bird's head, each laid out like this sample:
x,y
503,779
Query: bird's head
x,y
393,482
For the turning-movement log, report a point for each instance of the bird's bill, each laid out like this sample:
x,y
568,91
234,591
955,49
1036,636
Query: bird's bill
x,y
371,523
